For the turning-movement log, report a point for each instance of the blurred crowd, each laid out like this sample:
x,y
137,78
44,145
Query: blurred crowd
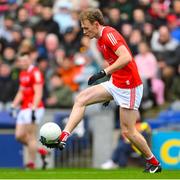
x,y
51,29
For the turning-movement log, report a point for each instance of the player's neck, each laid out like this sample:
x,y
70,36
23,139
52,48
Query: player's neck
x,y
100,31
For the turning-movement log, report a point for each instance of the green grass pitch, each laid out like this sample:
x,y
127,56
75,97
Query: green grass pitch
x,y
84,173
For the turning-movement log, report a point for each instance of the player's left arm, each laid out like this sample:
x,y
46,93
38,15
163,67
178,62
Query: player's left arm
x,y
124,57
38,89
38,93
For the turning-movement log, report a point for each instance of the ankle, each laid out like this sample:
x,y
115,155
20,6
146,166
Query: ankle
x,y
30,165
152,160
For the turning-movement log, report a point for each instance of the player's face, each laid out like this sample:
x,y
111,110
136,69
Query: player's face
x,y
90,29
24,62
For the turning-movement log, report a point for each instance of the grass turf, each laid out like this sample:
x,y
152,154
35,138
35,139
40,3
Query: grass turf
x,y
127,173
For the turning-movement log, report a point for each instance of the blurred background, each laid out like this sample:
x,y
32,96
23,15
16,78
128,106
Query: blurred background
x,y
67,59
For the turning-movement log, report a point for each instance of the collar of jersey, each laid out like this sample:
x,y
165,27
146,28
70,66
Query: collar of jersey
x,y
30,68
102,31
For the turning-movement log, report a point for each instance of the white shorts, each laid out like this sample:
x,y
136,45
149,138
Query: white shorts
x,y
24,116
127,98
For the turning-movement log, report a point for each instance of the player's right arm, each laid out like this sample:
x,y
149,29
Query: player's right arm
x,y
18,98
124,57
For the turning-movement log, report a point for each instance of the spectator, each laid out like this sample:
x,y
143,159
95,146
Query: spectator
x,y
63,15
25,46
89,49
39,41
43,65
6,29
8,86
172,22
52,45
138,18
9,55
60,95
70,42
114,16
146,60
16,38
47,23
126,9
144,5
126,31
2,45
147,30
86,70
4,7
23,19
158,12
166,50
176,9
134,39
68,71
28,33
30,6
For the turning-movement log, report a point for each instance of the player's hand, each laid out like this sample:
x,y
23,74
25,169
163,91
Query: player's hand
x,y
12,112
53,145
96,76
33,115
62,145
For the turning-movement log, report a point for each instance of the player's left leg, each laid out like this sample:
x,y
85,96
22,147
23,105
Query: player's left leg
x,y
91,95
31,128
128,119
32,142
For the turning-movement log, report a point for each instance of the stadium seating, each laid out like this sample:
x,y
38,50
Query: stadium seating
x,y
165,119
6,121
8,157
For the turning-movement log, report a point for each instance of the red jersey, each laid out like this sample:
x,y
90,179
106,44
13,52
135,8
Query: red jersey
x,y
28,78
108,43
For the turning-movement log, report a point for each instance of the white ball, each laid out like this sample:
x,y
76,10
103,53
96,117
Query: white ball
x,y
50,132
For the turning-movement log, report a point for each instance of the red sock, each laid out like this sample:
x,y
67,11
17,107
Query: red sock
x,y
152,160
30,165
42,151
64,135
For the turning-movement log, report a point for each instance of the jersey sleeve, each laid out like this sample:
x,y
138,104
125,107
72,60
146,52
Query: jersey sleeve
x,y
37,77
113,40
21,84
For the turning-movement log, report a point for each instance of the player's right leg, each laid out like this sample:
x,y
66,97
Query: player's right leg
x,y
91,95
128,119
20,133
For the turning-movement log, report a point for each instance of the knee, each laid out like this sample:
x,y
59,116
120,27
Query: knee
x,y
81,99
32,141
20,137
127,133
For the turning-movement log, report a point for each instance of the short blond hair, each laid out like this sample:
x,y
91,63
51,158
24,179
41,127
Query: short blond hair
x,y
92,15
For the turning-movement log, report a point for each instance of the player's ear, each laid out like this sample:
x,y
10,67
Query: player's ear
x,y
96,23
